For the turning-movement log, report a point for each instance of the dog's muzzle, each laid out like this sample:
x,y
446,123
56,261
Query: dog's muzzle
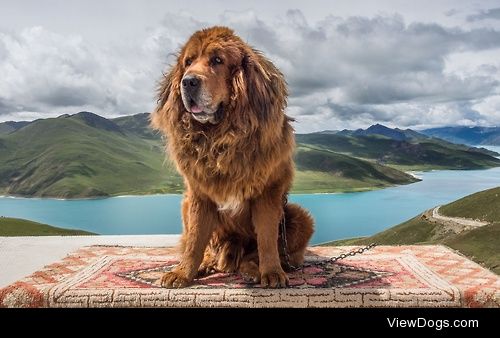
x,y
204,117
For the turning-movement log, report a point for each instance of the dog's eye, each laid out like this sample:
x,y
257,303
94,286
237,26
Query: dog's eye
x,y
188,62
216,61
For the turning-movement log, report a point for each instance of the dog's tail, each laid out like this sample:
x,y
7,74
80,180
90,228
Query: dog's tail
x,y
299,229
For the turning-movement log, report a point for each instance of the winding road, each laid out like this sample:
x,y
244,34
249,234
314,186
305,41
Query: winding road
x,y
472,223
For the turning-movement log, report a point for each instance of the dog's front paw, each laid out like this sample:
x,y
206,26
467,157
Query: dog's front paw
x,y
276,278
174,279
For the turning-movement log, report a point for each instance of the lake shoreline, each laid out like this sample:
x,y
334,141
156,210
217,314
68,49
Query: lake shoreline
x,y
90,198
337,215
416,174
180,194
350,191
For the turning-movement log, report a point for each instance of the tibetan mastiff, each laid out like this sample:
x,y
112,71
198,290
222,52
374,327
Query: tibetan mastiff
x,y
221,108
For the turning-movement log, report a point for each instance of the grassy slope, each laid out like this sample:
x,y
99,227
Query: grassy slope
x,y
85,155
481,244
67,157
320,170
137,124
415,230
417,155
21,227
484,205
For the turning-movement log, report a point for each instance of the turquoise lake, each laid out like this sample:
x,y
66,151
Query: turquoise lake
x,y
337,215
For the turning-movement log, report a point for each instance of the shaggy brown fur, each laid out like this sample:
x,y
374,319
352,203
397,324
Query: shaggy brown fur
x,y
237,168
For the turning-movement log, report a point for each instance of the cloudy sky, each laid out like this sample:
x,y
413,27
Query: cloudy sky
x,y
348,63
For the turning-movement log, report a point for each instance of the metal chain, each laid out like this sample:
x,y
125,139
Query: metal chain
x,y
352,253
335,259
282,235
286,256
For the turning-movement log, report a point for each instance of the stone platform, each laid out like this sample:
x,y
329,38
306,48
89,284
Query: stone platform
x,y
386,276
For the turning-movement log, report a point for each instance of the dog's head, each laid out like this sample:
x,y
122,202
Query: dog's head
x,y
220,78
208,61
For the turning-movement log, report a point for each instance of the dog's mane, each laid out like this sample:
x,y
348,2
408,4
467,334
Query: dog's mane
x,y
254,136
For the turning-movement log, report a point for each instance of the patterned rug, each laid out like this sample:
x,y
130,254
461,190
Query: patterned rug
x,y
387,276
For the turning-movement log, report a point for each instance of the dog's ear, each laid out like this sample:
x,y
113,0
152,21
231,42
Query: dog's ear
x,y
168,98
261,86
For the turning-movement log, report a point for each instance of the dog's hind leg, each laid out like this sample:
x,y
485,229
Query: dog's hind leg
x,y
299,229
222,255
229,255
208,264
249,267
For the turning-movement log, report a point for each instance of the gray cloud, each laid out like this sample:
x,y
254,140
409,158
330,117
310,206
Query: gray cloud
x,y
5,107
342,71
58,74
379,69
377,60
452,12
493,13
353,111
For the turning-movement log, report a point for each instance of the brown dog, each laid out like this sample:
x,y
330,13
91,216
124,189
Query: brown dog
x,y
222,110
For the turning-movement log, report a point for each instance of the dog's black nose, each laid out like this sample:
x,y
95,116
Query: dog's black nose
x,y
191,82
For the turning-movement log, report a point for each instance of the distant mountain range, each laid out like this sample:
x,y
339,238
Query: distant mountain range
x,y
400,148
381,130
11,126
86,155
467,135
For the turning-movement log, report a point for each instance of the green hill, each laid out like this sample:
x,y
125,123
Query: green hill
x,y
320,170
85,155
21,227
413,154
138,125
480,244
82,155
484,205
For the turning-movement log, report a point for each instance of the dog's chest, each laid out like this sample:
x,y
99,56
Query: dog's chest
x,y
231,204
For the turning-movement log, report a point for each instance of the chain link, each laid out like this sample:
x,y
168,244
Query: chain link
x,y
333,260
352,253
282,235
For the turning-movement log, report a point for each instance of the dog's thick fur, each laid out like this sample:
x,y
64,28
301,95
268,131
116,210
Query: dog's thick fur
x,y
238,170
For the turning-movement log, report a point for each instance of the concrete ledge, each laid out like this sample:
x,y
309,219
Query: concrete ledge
x,y
20,256
387,276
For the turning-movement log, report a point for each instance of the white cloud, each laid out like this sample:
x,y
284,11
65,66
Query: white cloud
x,y
52,74
489,109
359,70
342,71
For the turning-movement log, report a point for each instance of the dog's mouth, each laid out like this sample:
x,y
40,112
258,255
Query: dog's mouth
x,y
203,116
